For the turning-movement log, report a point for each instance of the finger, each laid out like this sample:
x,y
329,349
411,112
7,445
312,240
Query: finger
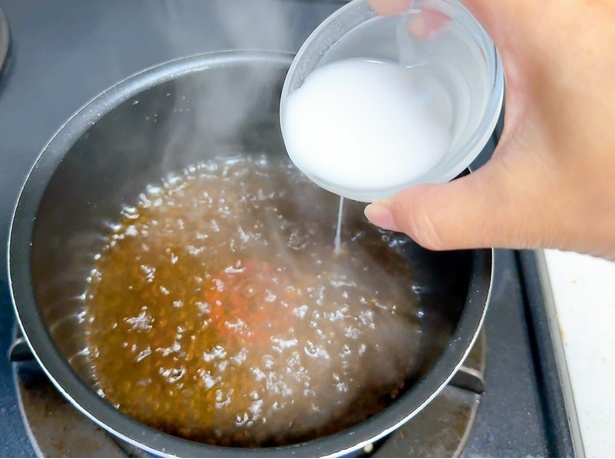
x,y
513,35
428,23
390,7
484,209
424,24
499,18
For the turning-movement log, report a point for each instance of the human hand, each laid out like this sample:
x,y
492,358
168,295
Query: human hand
x,y
551,180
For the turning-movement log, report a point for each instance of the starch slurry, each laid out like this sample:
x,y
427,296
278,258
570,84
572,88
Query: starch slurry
x,y
367,125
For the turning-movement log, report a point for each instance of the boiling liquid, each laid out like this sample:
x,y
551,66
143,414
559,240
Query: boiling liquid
x,y
217,312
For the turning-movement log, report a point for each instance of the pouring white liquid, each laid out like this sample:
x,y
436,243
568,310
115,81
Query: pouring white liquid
x,y
367,125
337,242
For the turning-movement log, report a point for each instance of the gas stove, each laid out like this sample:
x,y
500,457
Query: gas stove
x,y
507,400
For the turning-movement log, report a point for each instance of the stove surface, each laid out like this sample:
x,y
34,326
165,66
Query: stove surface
x,y
64,53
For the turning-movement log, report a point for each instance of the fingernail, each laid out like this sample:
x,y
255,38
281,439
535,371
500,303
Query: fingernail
x,y
379,213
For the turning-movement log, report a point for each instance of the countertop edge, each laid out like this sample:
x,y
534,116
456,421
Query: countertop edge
x,y
580,291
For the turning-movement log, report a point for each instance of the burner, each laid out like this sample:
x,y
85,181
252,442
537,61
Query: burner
x,y
4,40
57,429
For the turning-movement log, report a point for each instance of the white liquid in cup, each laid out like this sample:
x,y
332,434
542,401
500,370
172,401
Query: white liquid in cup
x,y
368,109
368,125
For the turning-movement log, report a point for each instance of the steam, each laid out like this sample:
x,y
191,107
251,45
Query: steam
x,y
243,25
230,110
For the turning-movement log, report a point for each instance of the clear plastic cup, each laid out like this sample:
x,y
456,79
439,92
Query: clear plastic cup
x,y
461,56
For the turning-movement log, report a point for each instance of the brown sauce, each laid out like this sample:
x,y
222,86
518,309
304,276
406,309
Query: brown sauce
x,y
219,312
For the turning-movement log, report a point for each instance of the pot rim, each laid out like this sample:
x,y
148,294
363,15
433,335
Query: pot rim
x,y
147,438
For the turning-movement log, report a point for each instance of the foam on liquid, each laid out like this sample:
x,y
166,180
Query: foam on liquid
x,y
367,125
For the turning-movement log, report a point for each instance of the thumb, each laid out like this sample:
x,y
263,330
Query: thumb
x,y
484,209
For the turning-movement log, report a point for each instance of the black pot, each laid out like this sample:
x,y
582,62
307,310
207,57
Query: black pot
x,y
106,154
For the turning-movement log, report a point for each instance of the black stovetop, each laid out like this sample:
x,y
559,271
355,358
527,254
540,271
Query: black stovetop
x,y
65,52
